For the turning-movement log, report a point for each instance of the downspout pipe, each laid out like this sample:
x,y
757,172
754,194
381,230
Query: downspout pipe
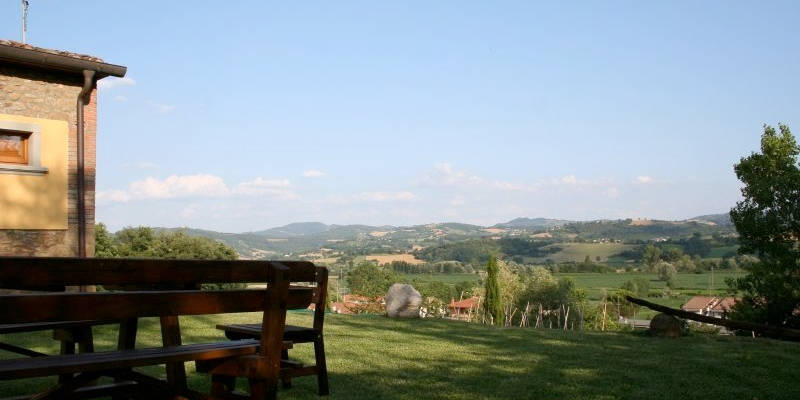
x,y
83,99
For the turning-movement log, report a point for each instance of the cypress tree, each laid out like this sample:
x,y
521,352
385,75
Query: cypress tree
x,y
492,305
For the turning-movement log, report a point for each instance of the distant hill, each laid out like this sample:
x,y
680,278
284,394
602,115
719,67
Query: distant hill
x,y
305,238
532,223
718,219
294,229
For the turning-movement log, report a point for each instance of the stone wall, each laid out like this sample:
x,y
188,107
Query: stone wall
x,y
52,95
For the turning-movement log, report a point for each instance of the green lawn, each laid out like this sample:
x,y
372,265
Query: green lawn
x,y
372,357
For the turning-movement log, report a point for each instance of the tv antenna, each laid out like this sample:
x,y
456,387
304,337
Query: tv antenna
x,y
24,19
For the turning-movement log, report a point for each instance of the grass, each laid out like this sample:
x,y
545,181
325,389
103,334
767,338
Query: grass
x,y
372,357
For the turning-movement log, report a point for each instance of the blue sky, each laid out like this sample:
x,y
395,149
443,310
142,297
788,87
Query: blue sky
x,y
244,115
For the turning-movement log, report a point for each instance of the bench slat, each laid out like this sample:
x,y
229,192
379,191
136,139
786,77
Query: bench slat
x,y
53,307
88,362
46,272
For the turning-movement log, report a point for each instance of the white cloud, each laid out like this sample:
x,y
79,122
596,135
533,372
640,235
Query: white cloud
x,y
197,186
313,173
161,108
115,196
385,196
443,174
204,185
280,188
112,82
642,179
457,201
569,179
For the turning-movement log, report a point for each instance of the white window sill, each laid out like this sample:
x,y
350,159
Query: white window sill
x,y
22,169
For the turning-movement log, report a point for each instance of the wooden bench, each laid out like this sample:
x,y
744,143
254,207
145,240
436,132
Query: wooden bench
x,y
257,359
298,334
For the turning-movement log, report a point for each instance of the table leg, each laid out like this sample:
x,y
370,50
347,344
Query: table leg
x,y
171,336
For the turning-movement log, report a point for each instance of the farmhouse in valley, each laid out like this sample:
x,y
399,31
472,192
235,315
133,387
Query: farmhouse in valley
x,y
709,305
463,309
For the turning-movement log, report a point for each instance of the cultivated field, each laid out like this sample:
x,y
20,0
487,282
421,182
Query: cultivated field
x,y
372,357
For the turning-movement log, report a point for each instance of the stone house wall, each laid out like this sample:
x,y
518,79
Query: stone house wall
x,y
52,95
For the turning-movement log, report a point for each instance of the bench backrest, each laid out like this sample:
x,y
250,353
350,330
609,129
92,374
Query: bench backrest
x,y
30,273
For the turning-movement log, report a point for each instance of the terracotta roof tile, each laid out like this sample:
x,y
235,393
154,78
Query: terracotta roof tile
x,y
698,303
20,45
724,304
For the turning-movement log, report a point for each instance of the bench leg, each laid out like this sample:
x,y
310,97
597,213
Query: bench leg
x,y
263,389
285,380
222,384
322,367
67,347
64,390
171,336
126,340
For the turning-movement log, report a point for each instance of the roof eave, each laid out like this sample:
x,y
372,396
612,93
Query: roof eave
x,y
58,62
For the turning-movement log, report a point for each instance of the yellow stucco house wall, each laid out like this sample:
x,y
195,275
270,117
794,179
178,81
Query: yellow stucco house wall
x,y
37,200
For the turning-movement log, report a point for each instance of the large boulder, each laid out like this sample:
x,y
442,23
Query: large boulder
x,y
666,326
403,301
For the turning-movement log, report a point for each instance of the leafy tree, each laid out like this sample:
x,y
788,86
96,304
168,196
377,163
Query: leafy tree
x,y
650,257
370,280
467,288
137,242
144,242
639,287
492,303
672,254
696,245
439,290
666,272
768,222
510,285
685,264
104,242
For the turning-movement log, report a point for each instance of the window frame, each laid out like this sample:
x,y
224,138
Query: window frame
x,y
25,153
33,165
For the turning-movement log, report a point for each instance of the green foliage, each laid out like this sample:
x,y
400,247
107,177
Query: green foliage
x,y
695,245
144,242
104,242
442,267
768,222
666,272
439,290
651,256
638,287
370,280
475,251
492,303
